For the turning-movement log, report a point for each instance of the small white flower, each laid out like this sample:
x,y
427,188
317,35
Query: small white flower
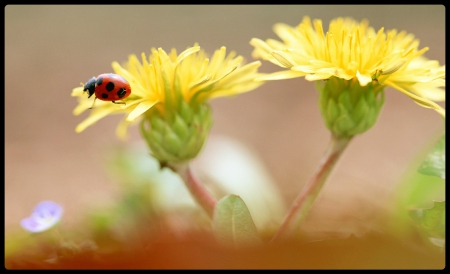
x,y
45,215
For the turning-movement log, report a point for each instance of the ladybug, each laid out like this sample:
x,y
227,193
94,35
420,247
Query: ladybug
x,y
108,87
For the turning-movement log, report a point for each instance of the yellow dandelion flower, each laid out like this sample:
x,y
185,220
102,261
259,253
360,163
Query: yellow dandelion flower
x,y
171,91
163,79
354,50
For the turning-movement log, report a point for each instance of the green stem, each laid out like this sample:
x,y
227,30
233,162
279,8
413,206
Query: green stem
x,y
200,194
305,199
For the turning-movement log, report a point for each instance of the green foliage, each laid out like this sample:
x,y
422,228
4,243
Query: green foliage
x,y
424,195
232,223
421,190
434,164
133,174
432,220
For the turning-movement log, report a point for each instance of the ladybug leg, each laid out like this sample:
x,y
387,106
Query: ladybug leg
x,y
122,103
95,98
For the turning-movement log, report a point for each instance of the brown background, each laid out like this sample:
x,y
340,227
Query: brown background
x,y
49,50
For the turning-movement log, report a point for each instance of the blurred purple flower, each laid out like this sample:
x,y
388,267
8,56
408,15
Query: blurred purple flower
x,y
45,215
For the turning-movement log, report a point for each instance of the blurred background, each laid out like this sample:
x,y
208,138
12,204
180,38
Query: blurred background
x,y
49,50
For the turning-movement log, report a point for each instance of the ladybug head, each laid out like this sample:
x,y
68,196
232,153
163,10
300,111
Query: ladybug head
x,y
90,86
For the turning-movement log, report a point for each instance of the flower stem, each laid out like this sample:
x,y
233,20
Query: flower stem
x,y
200,194
305,199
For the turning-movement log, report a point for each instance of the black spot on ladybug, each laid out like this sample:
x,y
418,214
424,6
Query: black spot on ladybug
x,y
104,95
99,81
121,92
110,86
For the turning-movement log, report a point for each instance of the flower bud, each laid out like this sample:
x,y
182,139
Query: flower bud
x,y
348,108
176,135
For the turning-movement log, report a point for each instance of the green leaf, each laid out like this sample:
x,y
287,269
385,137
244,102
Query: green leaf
x,y
431,220
434,164
233,224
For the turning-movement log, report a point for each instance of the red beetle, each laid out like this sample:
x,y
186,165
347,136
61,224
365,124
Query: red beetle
x,y
108,87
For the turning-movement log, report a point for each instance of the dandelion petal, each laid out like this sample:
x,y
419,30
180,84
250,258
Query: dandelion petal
x,y
141,108
281,75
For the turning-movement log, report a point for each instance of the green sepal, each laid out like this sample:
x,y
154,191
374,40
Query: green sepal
x,y
349,109
178,135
